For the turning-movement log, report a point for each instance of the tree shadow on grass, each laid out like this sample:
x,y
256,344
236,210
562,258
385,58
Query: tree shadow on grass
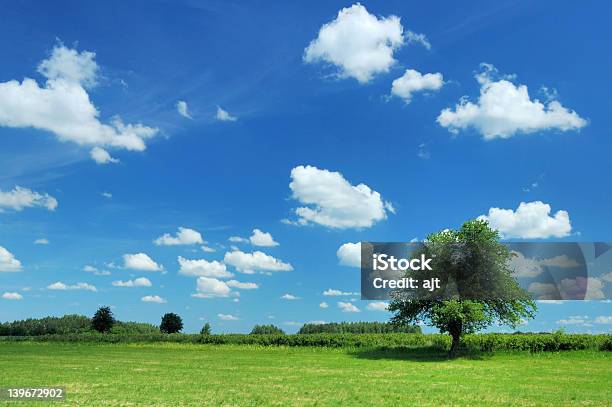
x,y
418,354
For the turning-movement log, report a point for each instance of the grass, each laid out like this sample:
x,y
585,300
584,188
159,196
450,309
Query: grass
x,y
172,374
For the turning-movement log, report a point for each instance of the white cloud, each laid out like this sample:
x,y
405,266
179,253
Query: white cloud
x,y
348,307
19,198
413,81
290,297
377,306
224,116
8,262
334,293
203,268
574,320
227,317
264,239
349,254
208,249
78,286
358,43
89,269
101,156
183,109
42,241
531,220
140,261
184,236
603,320
153,298
323,305
238,239
335,203
241,285
137,282
589,288
207,287
12,296
256,261
107,195
532,267
416,38
505,109
62,105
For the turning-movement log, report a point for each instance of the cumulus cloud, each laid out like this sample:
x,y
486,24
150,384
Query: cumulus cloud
x,y
101,156
19,198
349,254
227,317
208,287
347,307
12,296
153,298
140,261
332,293
62,105
264,239
358,43
413,81
531,220
137,282
289,297
95,271
41,241
504,109
417,38
241,285
323,305
603,320
532,267
333,201
184,236
78,286
203,268
183,109
257,261
224,116
238,239
208,249
8,262
377,306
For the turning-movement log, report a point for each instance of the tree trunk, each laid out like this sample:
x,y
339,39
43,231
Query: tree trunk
x,y
455,345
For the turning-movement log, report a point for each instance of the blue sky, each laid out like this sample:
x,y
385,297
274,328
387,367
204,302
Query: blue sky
x,y
274,96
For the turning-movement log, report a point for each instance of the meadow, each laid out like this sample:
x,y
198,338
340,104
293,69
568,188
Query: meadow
x,y
186,374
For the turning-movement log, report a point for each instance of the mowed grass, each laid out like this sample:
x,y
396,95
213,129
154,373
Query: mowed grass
x,y
197,375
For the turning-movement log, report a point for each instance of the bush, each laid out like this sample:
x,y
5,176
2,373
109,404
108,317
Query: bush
x,y
266,330
359,328
103,320
171,323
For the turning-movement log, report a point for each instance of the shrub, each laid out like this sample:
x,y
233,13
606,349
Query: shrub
x,y
171,323
103,320
358,328
266,330
68,324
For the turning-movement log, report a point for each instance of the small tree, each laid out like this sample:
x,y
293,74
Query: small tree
x,y
103,320
205,329
171,323
476,263
266,330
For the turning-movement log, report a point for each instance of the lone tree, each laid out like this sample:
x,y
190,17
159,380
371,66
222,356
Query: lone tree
x,y
476,273
171,323
205,329
103,320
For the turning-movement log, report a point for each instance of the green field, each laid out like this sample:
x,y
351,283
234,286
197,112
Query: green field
x,y
194,375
